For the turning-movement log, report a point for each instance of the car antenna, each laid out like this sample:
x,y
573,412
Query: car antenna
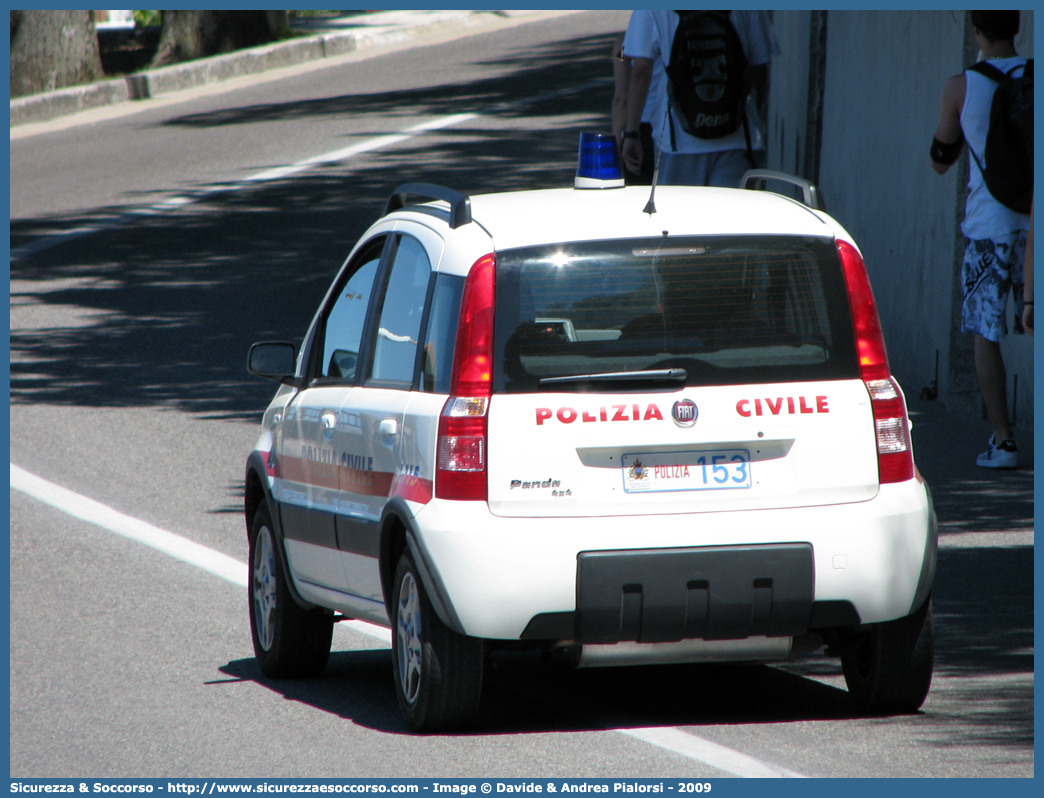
x,y
650,206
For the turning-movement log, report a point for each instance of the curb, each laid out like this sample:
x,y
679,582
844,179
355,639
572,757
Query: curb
x,y
193,74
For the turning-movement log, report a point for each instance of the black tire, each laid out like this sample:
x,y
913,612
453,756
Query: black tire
x,y
438,673
288,641
888,666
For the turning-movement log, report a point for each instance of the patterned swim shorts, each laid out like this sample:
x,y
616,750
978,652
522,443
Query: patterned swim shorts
x,y
992,269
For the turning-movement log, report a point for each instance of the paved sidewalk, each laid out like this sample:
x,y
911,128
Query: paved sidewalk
x,y
324,37
972,502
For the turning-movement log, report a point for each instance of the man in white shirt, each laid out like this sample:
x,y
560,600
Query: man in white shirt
x,y
994,235
686,159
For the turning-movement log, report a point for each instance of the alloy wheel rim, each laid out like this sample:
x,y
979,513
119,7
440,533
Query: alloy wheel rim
x,y
408,632
264,588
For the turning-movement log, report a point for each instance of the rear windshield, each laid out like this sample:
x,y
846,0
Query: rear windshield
x,y
664,311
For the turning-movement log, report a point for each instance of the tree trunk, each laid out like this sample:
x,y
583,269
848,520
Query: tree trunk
x,y
52,49
196,34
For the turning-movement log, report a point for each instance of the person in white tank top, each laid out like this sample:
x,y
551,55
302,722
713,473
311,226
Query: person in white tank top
x,y
995,235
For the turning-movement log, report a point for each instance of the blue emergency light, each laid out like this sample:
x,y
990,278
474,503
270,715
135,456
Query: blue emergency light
x,y
599,164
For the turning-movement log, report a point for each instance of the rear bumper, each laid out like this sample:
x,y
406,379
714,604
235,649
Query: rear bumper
x,y
682,576
707,593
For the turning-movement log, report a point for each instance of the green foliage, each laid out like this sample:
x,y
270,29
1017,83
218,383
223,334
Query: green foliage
x,y
310,14
146,19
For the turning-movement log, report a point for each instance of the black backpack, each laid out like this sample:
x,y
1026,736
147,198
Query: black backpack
x,y
705,75
1007,166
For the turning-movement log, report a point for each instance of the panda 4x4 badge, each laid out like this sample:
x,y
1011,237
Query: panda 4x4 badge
x,y
684,412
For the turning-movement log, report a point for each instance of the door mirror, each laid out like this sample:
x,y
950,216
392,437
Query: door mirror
x,y
274,360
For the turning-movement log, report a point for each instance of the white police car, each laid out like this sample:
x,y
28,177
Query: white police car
x,y
574,421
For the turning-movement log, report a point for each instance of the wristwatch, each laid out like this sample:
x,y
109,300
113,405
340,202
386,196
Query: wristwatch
x,y
631,134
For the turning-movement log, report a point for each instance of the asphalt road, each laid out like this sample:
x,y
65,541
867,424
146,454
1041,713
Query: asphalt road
x,y
130,321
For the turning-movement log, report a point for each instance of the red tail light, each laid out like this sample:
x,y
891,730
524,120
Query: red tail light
x,y
461,455
894,453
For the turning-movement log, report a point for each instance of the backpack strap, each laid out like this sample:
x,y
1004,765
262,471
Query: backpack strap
x,y
670,115
988,70
746,135
1027,70
976,157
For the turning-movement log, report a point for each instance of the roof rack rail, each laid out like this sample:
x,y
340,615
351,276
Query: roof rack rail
x,y
755,179
460,204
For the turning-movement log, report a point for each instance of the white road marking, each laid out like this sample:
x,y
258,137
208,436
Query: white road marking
x,y
356,149
228,568
96,513
1002,538
268,175
717,756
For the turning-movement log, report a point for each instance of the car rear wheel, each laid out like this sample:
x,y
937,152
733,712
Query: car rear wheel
x,y
888,666
438,673
288,641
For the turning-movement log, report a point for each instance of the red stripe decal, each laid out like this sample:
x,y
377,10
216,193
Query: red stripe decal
x,y
412,488
335,477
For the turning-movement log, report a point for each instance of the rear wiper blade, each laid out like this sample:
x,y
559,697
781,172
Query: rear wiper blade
x,y
649,375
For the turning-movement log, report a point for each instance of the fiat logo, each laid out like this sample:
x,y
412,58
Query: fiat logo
x,y
684,412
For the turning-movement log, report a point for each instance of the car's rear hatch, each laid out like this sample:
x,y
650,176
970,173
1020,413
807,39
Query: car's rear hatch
x,y
676,375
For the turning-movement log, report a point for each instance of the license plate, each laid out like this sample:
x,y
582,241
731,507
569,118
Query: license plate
x,y
720,469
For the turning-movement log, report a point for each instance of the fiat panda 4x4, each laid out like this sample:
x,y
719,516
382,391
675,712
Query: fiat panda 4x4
x,y
630,432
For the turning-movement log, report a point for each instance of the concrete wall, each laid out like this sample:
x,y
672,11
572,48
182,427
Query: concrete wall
x,y
853,107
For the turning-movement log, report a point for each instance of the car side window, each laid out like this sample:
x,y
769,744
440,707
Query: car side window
x,y
440,338
398,330
346,318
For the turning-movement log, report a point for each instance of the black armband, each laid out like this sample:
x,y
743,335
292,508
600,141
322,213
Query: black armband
x,y
945,154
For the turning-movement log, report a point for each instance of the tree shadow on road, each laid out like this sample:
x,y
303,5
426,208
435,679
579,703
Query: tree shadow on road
x,y
968,498
159,310
520,72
